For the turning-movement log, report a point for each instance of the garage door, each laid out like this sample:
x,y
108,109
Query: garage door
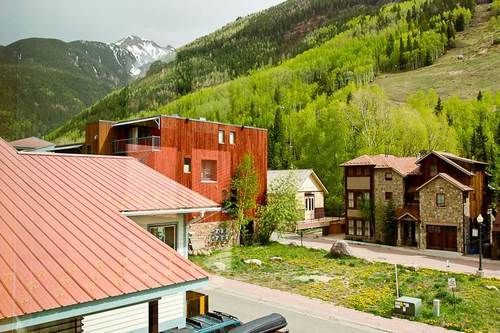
x,y
442,237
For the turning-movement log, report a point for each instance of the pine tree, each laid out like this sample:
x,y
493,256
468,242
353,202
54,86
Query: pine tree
x,y
460,22
402,63
479,144
439,107
390,46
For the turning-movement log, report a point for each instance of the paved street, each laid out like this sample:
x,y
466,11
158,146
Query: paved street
x,y
247,302
441,260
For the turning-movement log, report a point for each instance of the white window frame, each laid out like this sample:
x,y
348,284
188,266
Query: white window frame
x,y
221,137
350,201
232,137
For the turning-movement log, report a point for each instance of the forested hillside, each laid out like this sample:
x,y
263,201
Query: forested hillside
x,y
321,109
261,39
43,82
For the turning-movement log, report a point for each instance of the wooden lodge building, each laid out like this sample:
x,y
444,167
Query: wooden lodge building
x,y
201,155
436,198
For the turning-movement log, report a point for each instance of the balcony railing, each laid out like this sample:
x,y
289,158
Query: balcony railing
x,y
131,145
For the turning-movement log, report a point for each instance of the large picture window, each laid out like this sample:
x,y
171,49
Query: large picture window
x,y
209,170
167,233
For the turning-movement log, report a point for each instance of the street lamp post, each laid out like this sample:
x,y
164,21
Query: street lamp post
x,y
480,220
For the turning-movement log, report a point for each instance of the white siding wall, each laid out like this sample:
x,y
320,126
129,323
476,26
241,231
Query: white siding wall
x,y
144,221
171,311
310,185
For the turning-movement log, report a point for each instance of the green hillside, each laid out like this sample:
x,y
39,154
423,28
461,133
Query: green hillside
x,y
322,107
43,82
451,75
249,43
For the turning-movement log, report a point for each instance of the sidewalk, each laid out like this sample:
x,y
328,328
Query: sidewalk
x,y
440,260
314,308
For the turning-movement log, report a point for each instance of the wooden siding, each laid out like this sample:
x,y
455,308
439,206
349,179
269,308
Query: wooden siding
x,y
72,325
135,318
98,135
358,183
198,140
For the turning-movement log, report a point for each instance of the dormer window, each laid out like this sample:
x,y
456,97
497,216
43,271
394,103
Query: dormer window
x,y
221,137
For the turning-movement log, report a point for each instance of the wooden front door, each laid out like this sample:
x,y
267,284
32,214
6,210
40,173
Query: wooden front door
x,y
309,206
442,237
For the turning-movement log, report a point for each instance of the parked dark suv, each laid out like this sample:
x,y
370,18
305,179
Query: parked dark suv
x,y
218,322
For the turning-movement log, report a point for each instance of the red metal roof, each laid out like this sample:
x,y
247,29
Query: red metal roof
x,y
63,239
30,143
403,165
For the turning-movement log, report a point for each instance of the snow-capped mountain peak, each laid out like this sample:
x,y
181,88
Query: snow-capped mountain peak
x,y
144,51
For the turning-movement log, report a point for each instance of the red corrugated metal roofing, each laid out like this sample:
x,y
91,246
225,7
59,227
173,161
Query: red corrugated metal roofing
x,y
63,239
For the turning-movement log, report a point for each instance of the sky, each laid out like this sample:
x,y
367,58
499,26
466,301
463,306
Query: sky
x,y
167,22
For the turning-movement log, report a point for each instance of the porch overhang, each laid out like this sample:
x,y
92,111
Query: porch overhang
x,y
171,211
87,308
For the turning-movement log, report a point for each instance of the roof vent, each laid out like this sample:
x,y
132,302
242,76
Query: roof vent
x,y
203,119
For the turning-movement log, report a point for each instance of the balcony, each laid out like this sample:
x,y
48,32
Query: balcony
x,y
134,145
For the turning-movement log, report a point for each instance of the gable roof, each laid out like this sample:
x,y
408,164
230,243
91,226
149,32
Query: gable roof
x,y
448,158
449,179
412,211
63,239
300,174
402,165
30,143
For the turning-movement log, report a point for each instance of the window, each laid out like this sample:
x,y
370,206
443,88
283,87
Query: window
x,y
388,196
367,228
167,233
433,169
388,175
440,200
187,165
359,199
351,199
359,228
209,170
221,136
350,230
309,202
232,138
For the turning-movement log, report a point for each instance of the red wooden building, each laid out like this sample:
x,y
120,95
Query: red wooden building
x,y
200,154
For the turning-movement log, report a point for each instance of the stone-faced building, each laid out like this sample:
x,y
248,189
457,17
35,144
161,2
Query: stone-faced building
x,y
436,199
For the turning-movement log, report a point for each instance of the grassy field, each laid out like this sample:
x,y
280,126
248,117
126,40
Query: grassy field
x,y
362,285
450,76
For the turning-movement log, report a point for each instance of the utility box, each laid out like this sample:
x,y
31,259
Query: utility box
x,y
408,306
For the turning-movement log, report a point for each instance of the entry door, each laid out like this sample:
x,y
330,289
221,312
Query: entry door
x,y
309,205
442,237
